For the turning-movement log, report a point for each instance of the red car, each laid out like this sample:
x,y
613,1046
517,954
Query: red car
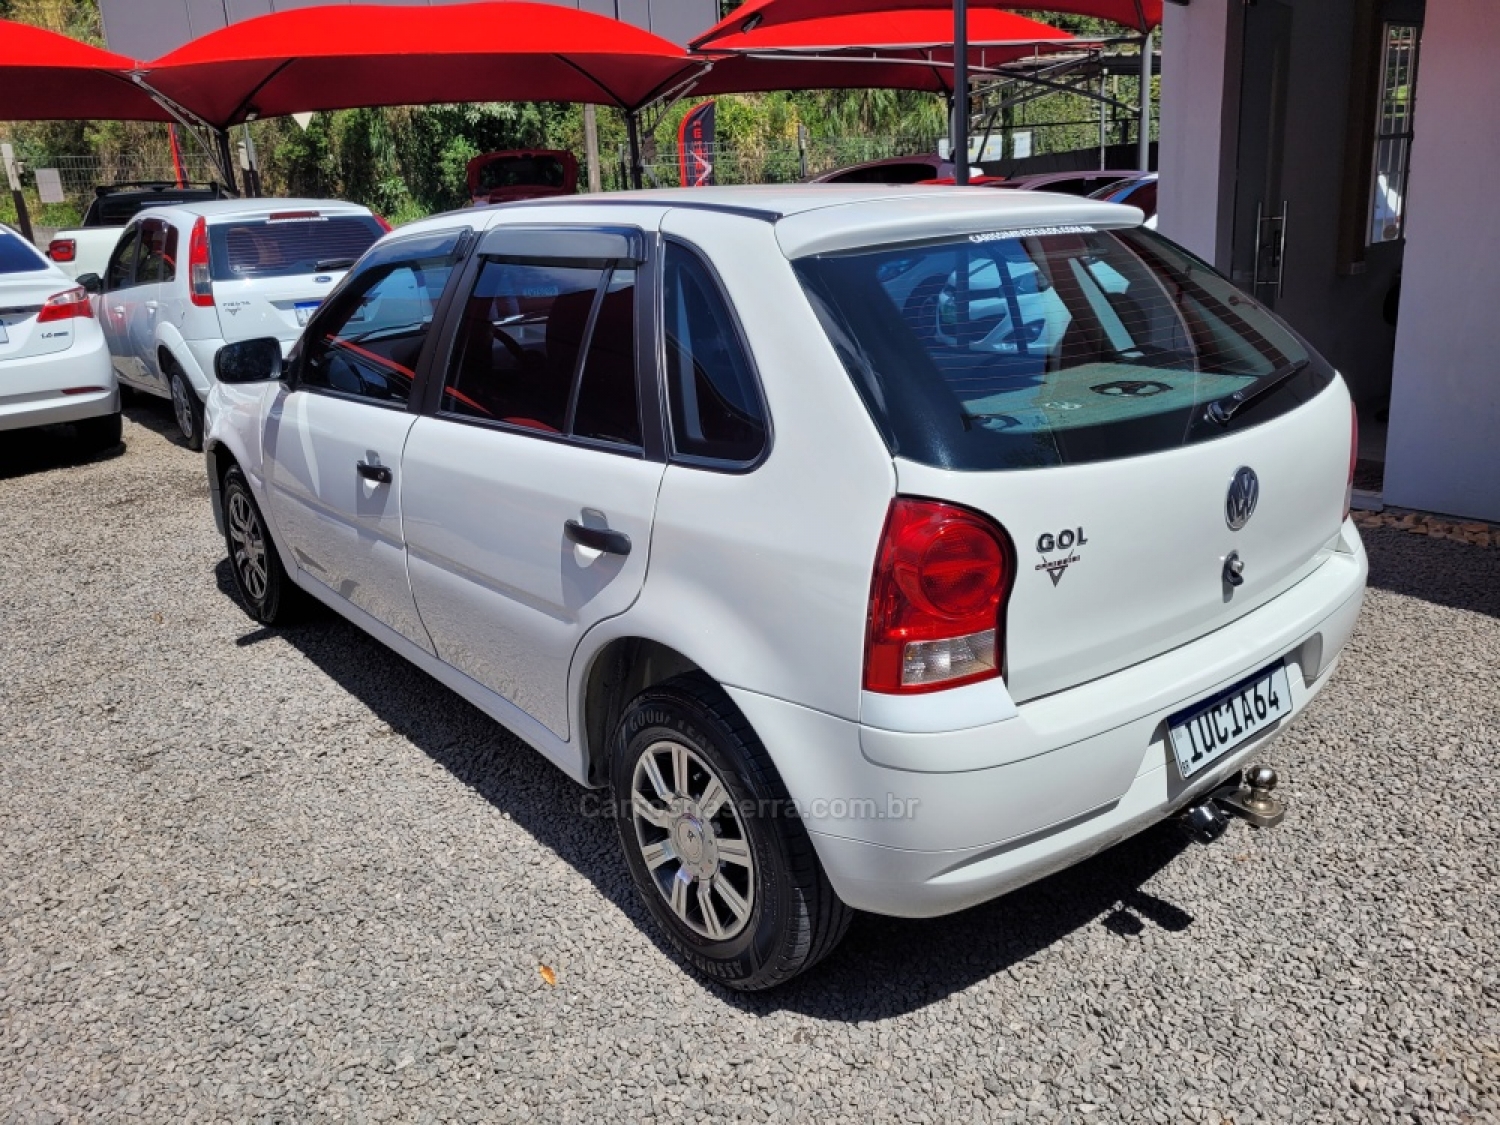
x,y
504,177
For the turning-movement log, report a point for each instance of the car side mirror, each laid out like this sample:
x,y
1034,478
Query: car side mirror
x,y
92,282
249,361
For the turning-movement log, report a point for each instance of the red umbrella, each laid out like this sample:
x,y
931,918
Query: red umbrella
x,y
909,50
45,76
903,50
762,15
346,55
910,27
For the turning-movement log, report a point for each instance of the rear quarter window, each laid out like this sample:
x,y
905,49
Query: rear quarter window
x,y
992,351
242,249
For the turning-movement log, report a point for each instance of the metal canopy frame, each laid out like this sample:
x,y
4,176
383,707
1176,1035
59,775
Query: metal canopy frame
x,y
1020,80
212,140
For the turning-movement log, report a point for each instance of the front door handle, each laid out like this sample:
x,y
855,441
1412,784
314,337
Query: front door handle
x,y
598,538
380,474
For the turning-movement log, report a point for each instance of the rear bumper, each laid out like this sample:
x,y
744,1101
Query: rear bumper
x,y
1083,768
42,403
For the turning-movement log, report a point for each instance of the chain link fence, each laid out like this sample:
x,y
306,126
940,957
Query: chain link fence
x,y
79,175
783,163
1039,146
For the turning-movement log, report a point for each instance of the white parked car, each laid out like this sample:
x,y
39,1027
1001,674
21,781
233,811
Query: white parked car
x,y
845,610
54,366
184,280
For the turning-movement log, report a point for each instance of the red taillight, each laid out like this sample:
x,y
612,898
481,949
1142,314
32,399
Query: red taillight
x,y
385,226
1353,458
200,281
937,601
66,305
62,249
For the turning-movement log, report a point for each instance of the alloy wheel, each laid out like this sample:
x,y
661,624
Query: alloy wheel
x,y
249,544
693,840
181,406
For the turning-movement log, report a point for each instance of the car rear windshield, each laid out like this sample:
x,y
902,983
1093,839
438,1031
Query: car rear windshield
x,y
522,171
17,256
252,248
1015,350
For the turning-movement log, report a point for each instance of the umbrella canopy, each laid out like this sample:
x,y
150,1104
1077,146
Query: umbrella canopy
x,y
760,16
45,76
345,55
902,50
906,27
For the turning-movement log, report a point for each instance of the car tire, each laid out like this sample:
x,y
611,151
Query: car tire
x,y
266,591
187,408
96,435
685,845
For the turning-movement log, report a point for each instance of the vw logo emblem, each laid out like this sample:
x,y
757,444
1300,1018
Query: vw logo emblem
x,y
1244,493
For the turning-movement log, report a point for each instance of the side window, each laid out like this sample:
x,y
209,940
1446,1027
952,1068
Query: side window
x,y
549,347
369,342
711,389
120,274
156,257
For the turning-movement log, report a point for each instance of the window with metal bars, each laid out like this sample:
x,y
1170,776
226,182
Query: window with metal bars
x,y
1400,43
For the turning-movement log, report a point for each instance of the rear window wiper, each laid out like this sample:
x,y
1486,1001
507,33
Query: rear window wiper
x,y
334,264
1223,409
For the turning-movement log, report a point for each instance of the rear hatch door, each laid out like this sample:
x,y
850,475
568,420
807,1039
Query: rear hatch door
x,y
1058,378
1120,561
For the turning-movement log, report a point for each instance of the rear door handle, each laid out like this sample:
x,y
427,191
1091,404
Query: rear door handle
x,y
380,474
598,538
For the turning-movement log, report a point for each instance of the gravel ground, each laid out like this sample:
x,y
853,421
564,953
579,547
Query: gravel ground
x,y
282,876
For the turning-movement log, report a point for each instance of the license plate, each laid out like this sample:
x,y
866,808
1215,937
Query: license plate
x,y
304,310
1212,729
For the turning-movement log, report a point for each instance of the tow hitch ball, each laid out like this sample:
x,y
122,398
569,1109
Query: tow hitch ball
x,y
1249,798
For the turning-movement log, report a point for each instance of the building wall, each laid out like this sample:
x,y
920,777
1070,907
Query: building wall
x,y
148,29
1199,105
1443,453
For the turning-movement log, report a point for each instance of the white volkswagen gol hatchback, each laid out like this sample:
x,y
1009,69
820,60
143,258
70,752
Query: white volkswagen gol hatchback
x,y
881,549
185,279
54,367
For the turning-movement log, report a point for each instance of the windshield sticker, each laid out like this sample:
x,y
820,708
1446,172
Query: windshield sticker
x,y
1029,232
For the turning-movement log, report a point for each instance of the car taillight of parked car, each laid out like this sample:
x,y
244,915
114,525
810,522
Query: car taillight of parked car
x,y
66,305
200,280
1353,458
937,601
62,249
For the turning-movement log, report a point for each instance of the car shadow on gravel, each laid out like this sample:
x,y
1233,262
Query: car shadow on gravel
x,y
1455,575
884,967
23,452
155,414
